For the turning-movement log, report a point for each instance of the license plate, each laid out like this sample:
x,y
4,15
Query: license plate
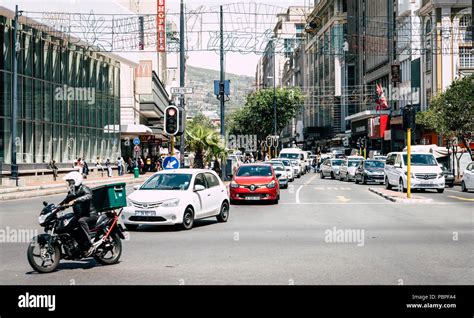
x,y
145,213
252,198
428,185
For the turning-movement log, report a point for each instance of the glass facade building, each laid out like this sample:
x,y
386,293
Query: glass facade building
x,y
68,99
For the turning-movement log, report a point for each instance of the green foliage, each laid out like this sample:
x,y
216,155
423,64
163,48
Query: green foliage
x,y
256,117
206,144
452,112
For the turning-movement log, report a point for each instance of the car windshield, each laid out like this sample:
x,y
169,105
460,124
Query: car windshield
x,y
353,163
289,155
374,164
337,162
254,171
421,160
168,181
277,166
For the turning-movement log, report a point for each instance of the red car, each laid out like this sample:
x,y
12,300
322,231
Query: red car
x,y
254,182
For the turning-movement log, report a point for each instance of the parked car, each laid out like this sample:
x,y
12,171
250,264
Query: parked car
x,y
177,197
467,182
280,172
348,169
370,170
254,182
425,172
330,168
448,176
288,167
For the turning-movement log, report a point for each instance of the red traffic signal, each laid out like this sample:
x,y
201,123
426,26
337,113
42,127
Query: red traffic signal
x,y
171,120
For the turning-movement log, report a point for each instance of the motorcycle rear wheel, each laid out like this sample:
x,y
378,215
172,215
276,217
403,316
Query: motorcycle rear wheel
x,y
103,254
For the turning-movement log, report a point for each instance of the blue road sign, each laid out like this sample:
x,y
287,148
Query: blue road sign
x,y
136,141
170,163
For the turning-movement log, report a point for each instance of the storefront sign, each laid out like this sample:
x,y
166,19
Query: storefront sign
x,y
359,127
161,27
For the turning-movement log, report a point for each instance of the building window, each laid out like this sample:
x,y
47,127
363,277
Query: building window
x,y
465,21
466,58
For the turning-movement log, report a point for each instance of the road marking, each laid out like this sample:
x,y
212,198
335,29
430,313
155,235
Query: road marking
x,y
373,203
342,198
301,187
460,198
332,188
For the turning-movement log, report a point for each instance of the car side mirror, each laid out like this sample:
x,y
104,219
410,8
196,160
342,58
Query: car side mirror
x,y
137,186
199,187
45,203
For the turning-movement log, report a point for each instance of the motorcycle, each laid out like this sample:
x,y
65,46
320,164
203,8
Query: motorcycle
x,y
60,238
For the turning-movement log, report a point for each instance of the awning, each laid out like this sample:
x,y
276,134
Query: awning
x,y
135,129
367,114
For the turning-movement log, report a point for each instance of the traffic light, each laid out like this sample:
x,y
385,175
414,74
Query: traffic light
x,y
409,118
171,120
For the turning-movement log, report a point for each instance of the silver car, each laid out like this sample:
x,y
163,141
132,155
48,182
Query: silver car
x,y
330,168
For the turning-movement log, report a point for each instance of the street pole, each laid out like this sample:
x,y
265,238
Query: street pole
x,y
181,83
14,166
408,163
274,95
221,87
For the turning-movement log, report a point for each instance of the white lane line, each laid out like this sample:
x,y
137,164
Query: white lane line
x,y
376,203
301,187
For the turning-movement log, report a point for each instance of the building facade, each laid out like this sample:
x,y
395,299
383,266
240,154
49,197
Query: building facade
x,y
68,98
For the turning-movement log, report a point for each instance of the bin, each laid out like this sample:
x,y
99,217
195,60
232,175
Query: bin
x,y
136,172
109,196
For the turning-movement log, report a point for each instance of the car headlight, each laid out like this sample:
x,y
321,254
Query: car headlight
x,y
440,175
234,185
411,173
271,185
129,202
170,203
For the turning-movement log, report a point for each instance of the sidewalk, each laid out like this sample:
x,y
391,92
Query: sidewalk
x,y
399,197
35,189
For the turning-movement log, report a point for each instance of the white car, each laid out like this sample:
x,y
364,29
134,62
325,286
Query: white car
x,y
280,172
297,168
177,197
467,182
288,168
425,172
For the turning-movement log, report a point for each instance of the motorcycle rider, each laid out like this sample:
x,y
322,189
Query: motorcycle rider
x,y
80,198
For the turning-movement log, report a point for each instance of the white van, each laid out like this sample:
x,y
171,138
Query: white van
x,y
295,153
425,172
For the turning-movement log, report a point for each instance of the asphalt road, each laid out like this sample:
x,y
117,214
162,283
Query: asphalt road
x,y
289,243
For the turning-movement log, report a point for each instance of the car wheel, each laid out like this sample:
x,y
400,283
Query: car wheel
x,y
440,190
387,184
188,219
332,175
401,188
463,187
355,180
131,227
223,216
322,175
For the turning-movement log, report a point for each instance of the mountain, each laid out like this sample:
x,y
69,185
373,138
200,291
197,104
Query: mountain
x,y
203,98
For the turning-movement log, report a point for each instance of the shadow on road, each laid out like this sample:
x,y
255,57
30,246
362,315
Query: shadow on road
x,y
173,228
71,265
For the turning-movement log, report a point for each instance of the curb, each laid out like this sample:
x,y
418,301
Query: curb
x,y
56,189
399,200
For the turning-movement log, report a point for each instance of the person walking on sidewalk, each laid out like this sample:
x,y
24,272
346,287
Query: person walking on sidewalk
x,y
52,166
98,165
119,166
108,165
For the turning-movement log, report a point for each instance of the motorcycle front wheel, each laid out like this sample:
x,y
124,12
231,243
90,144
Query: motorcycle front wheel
x,y
41,259
109,252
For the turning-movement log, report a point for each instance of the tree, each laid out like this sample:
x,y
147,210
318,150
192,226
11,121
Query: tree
x,y
452,112
257,115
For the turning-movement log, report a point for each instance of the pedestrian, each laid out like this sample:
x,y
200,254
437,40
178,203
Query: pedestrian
x,y
98,165
54,168
85,169
148,164
79,165
130,165
119,166
108,165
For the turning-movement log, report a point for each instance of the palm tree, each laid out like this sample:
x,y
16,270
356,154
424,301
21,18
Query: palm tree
x,y
196,140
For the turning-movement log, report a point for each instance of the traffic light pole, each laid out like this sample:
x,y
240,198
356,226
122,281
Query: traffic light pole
x,y
182,62
13,165
221,87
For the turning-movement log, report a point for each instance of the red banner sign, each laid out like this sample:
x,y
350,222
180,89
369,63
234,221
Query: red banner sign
x,y
161,26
